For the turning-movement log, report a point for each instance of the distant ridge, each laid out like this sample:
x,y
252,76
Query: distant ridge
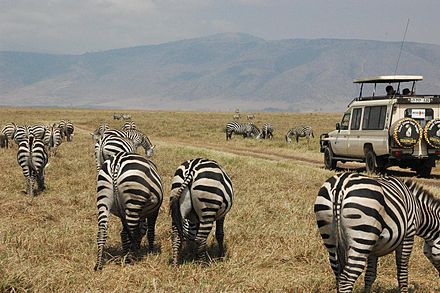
x,y
220,72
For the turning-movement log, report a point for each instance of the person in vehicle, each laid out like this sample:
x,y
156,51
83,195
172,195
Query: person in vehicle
x,y
390,90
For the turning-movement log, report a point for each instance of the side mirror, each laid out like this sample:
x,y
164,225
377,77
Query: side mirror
x,y
338,126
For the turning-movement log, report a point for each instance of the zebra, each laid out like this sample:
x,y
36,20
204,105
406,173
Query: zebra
x,y
126,116
9,131
300,131
138,138
129,187
361,218
250,116
236,116
117,116
21,133
110,145
52,139
96,135
266,131
130,125
201,193
32,158
245,129
67,129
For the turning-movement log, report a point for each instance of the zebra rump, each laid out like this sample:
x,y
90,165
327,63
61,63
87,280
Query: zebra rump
x,y
9,131
362,218
52,139
201,194
110,145
32,158
128,186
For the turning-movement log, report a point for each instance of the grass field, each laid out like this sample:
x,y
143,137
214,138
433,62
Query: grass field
x,y
48,243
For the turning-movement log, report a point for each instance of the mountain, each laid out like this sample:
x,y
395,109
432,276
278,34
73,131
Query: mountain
x,y
218,72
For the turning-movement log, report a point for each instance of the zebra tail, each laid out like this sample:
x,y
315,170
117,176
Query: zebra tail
x,y
341,241
118,203
176,215
30,161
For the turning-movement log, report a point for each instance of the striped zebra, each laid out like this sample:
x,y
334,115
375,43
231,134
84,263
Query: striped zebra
x,y
38,130
32,158
109,146
129,187
129,125
67,129
245,129
52,139
361,218
138,138
96,135
201,193
266,131
300,131
9,131
21,133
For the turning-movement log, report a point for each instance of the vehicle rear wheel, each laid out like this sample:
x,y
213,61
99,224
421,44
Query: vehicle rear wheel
x,y
424,171
370,161
329,162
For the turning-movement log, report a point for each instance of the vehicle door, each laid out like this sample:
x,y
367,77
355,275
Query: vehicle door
x,y
355,141
339,147
374,131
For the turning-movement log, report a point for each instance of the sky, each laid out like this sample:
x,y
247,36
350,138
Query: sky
x,y
80,26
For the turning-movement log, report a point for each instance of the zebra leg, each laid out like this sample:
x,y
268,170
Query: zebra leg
x,y
31,183
177,244
201,237
151,225
101,239
219,235
40,181
125,240
370,275
353,268
403,253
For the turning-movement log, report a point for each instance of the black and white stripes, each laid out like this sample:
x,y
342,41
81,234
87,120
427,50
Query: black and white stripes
x,y
244,129
201,194
361,218
300,131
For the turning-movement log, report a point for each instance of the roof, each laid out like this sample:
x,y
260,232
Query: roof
x,y
389,79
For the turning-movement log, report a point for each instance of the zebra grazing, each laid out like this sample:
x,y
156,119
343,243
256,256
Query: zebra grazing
x,y
67,129
138,138
126,116
129,187
266,131
9,131
245,129
32,157
109,146
361,218
301,131
117,116
130,125
96,135
201,193
52,139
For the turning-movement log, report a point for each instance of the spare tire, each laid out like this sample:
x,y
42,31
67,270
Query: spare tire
x,y
432,133
407,132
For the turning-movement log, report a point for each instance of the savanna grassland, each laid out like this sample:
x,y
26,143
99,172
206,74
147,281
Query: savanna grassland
x,y
48,243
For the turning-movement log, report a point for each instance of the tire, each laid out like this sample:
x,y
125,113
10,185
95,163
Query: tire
x,y
370,161
329,162
424,170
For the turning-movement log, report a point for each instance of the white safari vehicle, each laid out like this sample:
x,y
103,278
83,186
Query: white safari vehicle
x,y
390,126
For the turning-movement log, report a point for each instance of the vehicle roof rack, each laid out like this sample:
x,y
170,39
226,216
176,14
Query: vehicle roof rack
x,y
389,79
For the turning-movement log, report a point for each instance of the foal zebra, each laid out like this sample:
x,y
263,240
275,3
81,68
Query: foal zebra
x,y
52,139
129,187
9,131
266,131
32,158
110,145
201,193
301,131
361,218
245,129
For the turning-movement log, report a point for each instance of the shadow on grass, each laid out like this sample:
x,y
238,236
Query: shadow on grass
x,y
114,254
188,253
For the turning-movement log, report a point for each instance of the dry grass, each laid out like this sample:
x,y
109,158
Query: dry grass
x,y
48,243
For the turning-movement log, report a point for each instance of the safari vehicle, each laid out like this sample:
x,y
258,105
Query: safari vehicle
x,y
395,128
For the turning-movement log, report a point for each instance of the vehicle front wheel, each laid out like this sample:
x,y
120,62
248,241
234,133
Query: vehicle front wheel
x,y
329,162
370,161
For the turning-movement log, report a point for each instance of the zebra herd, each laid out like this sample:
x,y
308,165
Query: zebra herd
x,y
130,187
35,144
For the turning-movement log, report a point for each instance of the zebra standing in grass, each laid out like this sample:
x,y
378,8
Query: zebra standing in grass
x,y
21,133
109,146
245,129
67,129
301,131
129,187
138,138
266,131
129,125
361,218
201,194
32,157
52,139
96,135
9,131
38,130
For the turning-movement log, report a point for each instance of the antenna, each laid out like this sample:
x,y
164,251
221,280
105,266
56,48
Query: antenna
x,y
401,46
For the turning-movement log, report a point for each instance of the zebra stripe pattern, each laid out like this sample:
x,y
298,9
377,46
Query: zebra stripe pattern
x,y
266,131
129,125
21,134
361,218
301,131
38,130
201,194
96,135
9,131
129,187
245,129
32,158
109,146
52,139
138,138
67,129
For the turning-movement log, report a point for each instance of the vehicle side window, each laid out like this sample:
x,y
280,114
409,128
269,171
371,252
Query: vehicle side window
x,y
345,121
374,117
356,119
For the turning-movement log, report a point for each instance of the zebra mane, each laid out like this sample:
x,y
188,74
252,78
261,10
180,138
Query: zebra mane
x,y
419,191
